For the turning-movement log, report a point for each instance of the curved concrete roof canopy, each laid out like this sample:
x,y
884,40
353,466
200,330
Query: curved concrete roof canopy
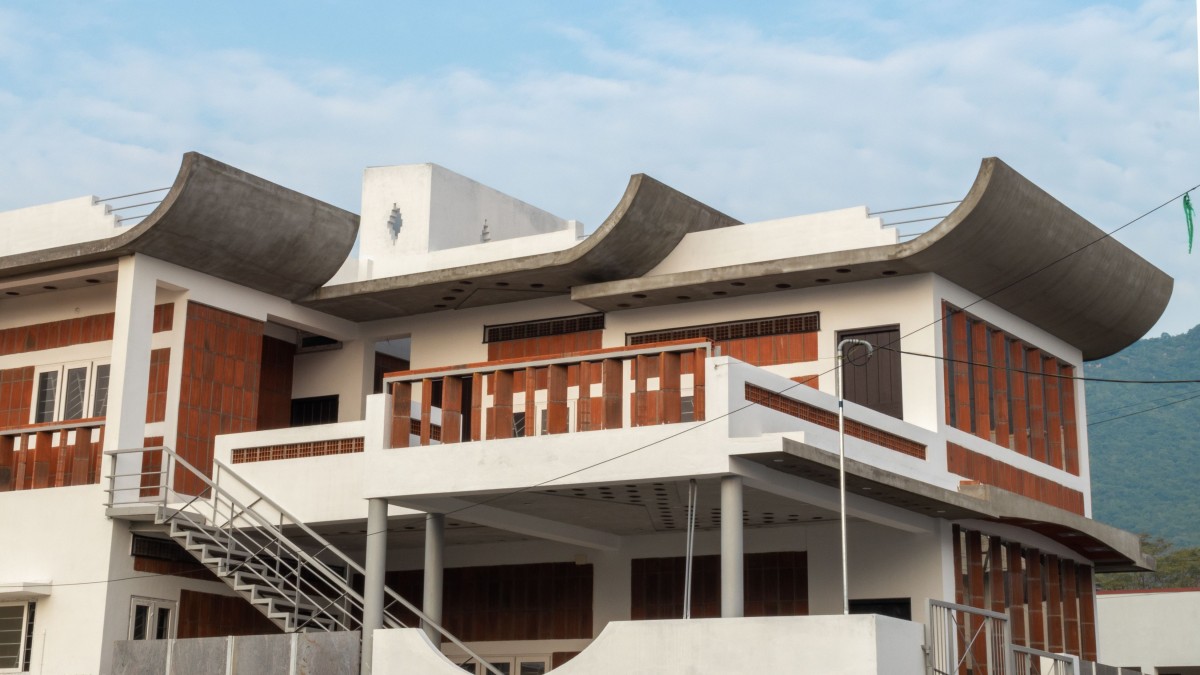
x,y
222,221
645,226
1008,241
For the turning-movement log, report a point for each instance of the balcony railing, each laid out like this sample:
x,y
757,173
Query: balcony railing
x,y
660,383
51,455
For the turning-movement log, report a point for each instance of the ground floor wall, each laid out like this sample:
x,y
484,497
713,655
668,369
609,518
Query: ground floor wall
x,y
532,592
858,645
76,567
58,537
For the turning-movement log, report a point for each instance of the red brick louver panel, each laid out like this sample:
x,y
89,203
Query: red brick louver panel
x,y
267,453
68,332
827,419
222,357
1009,392
983,469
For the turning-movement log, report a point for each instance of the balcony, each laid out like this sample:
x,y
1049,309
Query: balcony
x,y
616,388
54,454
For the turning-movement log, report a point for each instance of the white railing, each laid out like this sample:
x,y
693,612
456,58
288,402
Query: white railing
x,y
254,525
138,202
1030,661
968,639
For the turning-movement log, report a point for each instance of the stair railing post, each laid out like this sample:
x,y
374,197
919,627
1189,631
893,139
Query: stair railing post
x,y
216,491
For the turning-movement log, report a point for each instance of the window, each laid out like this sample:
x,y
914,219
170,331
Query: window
x,y
897,608
151,619
511,665
314,410
70,391
16,637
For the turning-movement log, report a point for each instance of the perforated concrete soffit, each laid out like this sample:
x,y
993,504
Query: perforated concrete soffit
x,y
1100,297
227,223
645,226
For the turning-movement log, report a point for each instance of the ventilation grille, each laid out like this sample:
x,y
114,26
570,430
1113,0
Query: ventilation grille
x,y
546,328
158,549
734,330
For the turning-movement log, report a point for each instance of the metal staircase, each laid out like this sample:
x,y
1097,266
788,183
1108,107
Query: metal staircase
x,y
270,584
280,565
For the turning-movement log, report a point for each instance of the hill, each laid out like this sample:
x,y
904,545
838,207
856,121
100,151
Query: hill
x,y
1145,439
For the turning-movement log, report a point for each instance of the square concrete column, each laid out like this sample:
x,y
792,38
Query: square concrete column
x,y
732,548
373,583
129,373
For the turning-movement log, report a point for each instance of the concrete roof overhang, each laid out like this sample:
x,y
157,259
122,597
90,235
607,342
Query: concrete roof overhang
x,y
1007,241
1110,549
227,223
645,226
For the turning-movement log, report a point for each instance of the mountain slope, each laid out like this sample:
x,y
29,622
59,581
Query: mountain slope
x,y
1145,439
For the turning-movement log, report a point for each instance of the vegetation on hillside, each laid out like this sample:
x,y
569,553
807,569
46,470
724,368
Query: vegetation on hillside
x,y
1145,439
1177,568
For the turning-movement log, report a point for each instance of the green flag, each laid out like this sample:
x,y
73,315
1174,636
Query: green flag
x,y
1188,213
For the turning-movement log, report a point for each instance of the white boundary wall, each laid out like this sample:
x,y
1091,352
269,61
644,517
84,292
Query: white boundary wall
x,y
833,645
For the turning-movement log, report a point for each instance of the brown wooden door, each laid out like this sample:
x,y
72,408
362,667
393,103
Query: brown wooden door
x,y
875,381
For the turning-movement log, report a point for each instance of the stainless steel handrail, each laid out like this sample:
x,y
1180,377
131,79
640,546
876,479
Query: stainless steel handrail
x,y
329,574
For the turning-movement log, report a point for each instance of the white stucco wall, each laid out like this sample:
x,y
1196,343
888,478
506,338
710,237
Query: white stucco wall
x,y
70,221
856,645
795,236
1154,631
60,536
441,217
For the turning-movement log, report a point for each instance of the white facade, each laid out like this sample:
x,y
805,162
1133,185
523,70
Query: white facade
x,y
551,433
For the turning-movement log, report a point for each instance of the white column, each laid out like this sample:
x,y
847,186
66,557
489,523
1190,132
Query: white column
x,y
378,418
373,601
732,550
435,544
129,372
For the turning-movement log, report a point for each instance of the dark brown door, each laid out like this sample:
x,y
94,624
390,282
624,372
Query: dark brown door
x,y
875,381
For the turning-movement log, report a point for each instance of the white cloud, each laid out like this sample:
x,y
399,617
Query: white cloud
x,y
1097,106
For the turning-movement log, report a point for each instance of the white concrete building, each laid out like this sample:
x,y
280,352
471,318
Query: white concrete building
x,y
1153,631
611,453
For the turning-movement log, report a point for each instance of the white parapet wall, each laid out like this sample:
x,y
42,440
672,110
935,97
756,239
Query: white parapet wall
x,y
71,221
831,645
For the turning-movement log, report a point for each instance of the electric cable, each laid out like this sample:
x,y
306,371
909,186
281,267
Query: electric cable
x,y
1139,412
739,408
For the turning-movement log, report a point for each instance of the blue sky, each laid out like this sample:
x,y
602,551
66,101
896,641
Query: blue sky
x,y
761,109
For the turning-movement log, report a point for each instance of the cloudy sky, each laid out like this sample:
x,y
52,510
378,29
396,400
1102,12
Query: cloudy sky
x,y
761,109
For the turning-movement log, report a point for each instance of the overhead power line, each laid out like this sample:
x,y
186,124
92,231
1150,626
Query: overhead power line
x,y
627,453
1039,373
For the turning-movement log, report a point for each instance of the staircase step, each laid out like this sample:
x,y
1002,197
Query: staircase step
x,y
249,579
255,574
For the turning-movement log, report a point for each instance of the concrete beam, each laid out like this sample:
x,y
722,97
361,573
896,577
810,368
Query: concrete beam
x,y
510,521
762,478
